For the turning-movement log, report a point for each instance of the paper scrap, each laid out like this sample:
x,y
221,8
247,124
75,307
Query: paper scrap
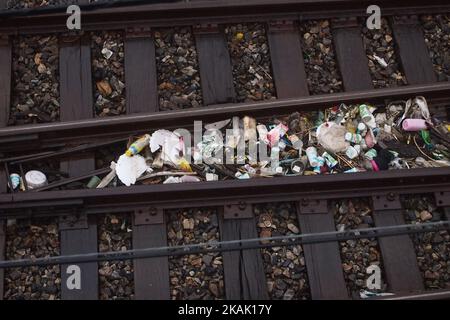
x,y
128,169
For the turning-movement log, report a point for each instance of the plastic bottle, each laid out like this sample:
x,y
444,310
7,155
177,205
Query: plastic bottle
x,y
370,154
329,160
311,152
15,179
298,166
94,182
354,138
320,162
138,145
367,116
351,152
362,129
414,124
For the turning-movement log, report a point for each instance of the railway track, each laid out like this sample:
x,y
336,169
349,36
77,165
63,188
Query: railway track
x,y
161,215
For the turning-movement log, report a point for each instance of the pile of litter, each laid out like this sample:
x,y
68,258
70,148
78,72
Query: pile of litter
x,y
341,139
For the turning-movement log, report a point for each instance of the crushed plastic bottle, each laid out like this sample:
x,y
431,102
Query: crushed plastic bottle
x,y
311,152
367,116
16,180
138,145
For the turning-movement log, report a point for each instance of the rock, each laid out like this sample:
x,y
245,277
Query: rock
x,y
289,294
293,228
280,284
430,275
265,221
107,53
207,259
14,275
437,239
37,58
104,88
42,68
290,255
347,267
189,71
188,224
425,215
265,233
214,289
114,220
197,262
270,286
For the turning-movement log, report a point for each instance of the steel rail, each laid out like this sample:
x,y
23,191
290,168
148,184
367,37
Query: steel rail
x,y
233,245
61,8
133,123
218,11
217,193
433,295
60,153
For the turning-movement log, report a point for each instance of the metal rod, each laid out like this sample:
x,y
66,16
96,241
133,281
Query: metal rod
x,y
73,179
232,245
249,191
22,175
25,156
80,148
99,4
8,176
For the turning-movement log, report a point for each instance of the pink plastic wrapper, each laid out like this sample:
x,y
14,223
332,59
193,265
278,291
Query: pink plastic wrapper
x,y
369,139
414,124
274,135
374,165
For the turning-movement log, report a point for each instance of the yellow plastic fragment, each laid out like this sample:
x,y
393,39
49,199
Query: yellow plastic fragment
x,y
239,36
138,145
184,165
